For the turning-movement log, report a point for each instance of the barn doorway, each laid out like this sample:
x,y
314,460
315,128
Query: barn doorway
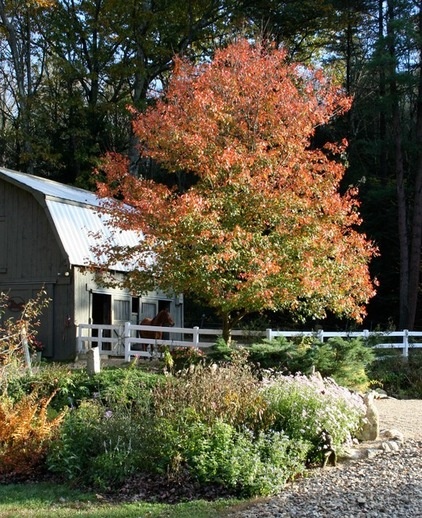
x,y
101,308
101,313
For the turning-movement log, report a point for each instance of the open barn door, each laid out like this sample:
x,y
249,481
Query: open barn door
x,y
101,308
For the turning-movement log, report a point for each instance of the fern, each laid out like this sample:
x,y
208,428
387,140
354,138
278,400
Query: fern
x,y
25,434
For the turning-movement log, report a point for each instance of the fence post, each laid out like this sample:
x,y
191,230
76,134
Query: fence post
x,y
321,335
405,343
126,341
78,340
25,346
93,362
269,334
195,337
100,339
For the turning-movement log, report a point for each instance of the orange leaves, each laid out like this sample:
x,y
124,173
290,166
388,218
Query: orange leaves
x,y
224,118
263,225
41,3
25,433
149,199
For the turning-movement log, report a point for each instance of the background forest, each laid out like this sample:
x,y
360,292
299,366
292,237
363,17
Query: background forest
x,y
70,68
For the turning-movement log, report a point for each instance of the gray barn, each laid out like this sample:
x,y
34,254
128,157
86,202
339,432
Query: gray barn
x,y
45,241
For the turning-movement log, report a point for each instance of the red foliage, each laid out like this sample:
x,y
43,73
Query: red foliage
x,y
264,226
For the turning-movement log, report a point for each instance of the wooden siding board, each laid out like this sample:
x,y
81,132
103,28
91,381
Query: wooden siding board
x,y
33,257
33,252
64,332
3,244
3,231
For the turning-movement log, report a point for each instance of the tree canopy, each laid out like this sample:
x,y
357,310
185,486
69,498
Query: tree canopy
x,y
70,68
263,225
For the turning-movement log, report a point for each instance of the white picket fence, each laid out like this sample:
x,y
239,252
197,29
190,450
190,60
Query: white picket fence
x,y
123,341
403,340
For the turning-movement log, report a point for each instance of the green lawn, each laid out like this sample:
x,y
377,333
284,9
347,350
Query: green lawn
x,y
44,500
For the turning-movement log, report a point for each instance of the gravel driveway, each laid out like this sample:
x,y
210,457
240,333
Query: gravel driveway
x,y
388,485
403,415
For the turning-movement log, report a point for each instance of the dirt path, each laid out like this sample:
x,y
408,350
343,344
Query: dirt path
x,y
404,415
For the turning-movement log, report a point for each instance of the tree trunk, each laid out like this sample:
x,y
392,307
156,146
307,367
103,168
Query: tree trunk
x,y
227,328
230,321
139,93
20,61
399,170
382,92
402,224
416,229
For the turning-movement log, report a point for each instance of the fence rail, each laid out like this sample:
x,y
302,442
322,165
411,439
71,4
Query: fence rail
x,y
124,340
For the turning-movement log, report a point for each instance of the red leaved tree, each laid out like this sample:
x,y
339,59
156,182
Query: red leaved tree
x,y
264,225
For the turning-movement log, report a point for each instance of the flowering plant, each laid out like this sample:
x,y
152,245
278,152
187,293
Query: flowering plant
x,y
307,407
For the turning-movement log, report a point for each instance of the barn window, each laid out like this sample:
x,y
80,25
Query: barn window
x,y
148,310
122,310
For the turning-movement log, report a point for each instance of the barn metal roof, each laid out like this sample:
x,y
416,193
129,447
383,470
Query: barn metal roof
x,y
52,189
75,214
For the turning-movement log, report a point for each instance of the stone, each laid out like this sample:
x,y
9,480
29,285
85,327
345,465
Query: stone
x,y
385,446
380,393
370,428
393,446
352,454
93,361
393,435
373,452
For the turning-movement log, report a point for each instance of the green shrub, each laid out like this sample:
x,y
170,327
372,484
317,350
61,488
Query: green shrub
x,y
345,360
398,376
102,440
122,449
261,465
220,453
280,354
185,357
305,407
78,442
97,445
220,352
126,387
72,386
215,424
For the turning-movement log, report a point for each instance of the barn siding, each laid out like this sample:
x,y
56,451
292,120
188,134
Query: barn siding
x,y
64,329
30,257
31,249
